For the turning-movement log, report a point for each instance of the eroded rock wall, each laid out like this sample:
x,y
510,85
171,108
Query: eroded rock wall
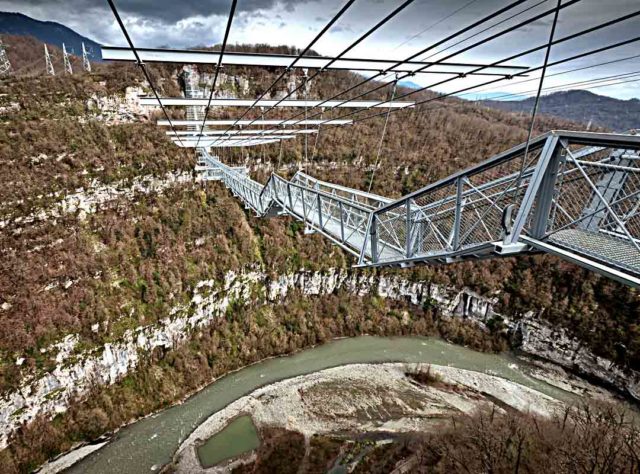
x,y
76,371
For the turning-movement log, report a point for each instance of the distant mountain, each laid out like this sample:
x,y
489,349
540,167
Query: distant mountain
x,y
47,32
580,106
501,96
409,85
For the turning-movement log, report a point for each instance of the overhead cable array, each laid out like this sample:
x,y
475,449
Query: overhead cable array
x,y
138,61
314,109
353,44
534,69
419,53
331,22
217,71
515,56
504,60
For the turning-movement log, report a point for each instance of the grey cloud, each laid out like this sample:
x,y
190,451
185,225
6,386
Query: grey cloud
x,y
189,22
168,11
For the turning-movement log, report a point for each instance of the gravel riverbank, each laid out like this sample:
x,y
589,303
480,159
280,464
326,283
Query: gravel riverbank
x,y
366,398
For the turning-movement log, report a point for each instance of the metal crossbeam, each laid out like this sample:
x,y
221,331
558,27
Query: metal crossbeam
x,y
245,132
232,138
577,196
242,123
195,102
244,142
306,62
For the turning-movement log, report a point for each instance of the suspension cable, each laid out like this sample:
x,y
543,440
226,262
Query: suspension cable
x,y
264,146
582,68
555,63
586,82
534,112
515,56
384,131
315,142
306,135
353,44
433,25
529,70
490,27
280,155
467,48
142,66
333,20
542,47
467,103
217,71
435,45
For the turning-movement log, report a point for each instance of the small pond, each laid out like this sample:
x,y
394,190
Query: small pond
x,y
238,437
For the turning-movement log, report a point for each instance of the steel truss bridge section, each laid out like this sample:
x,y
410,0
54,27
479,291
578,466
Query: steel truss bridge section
x,y
572,194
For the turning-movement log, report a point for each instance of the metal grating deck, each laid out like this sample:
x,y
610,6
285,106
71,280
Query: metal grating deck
x,y
603,247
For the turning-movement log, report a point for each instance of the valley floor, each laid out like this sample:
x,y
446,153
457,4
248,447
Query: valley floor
x,y
387,399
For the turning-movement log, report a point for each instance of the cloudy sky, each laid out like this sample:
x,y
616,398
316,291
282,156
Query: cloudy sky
x,y
184,23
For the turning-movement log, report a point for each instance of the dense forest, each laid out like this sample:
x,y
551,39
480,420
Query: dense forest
x,y
133,259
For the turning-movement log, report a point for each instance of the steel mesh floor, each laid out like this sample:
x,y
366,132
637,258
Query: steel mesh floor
x,y
603,247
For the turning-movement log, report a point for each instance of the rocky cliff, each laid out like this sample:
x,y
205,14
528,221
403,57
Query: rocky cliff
x,y
77,370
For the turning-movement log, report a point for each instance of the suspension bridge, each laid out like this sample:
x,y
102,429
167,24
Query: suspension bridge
x,y
571,194
576,197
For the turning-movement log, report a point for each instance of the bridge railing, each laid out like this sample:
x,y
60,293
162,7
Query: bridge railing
x,y
369,200
342,220
594,200
572,194
340,213
459,215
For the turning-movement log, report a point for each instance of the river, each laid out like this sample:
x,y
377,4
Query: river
x,y
150,443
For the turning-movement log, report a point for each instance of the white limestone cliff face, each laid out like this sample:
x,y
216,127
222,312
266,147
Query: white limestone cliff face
x,y
76,372
116,109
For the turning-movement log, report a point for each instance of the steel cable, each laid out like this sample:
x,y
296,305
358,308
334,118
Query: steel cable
x,y
215,77
384,131
333,20
438,43
141,65
536,103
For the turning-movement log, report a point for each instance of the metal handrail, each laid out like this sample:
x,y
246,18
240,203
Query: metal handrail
x,y
470,213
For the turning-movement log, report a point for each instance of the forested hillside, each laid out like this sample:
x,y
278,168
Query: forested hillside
x,y
102,231
580,106
48,32
26,55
